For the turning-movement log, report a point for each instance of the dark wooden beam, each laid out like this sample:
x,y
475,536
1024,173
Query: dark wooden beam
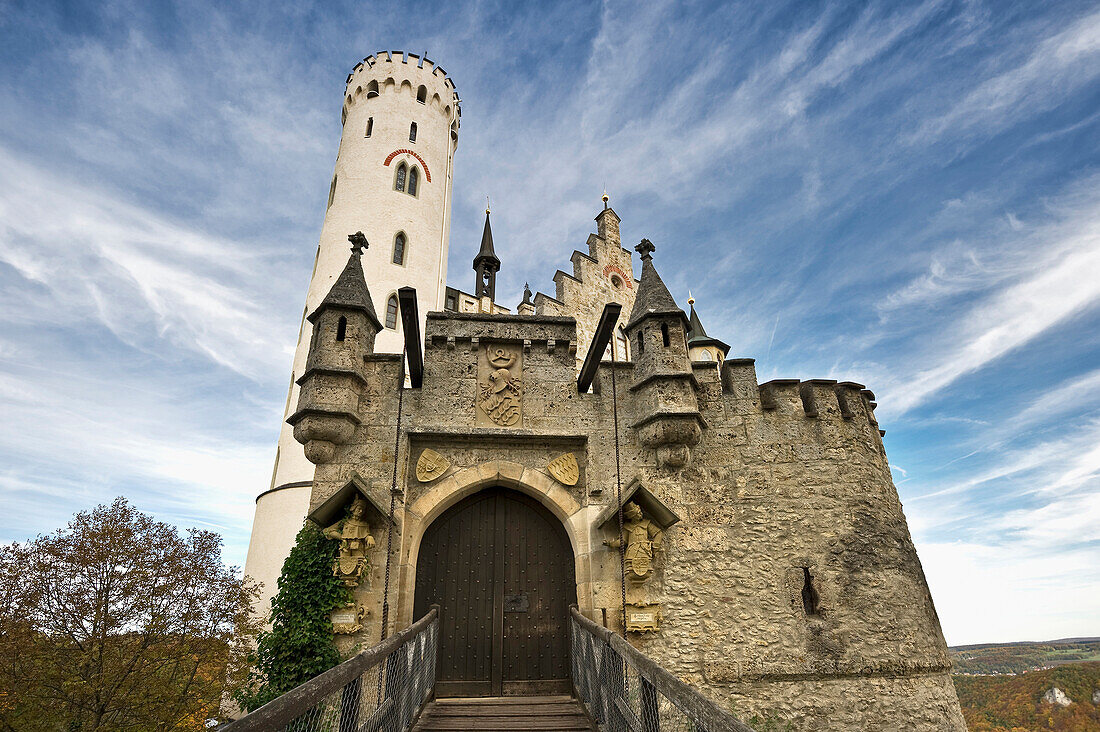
x,y
414,346
604,330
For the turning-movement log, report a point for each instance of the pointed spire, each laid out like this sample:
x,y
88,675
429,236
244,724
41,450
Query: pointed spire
x,y
697,335
486,253
653,298
486,263
350,289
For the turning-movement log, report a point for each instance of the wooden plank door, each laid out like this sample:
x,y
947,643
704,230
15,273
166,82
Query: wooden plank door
x,y
500,567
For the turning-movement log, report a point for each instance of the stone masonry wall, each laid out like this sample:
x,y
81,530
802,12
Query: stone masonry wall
x,y
788,477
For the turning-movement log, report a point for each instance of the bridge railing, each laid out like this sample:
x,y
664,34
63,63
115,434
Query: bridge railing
x,y
382,689
624,691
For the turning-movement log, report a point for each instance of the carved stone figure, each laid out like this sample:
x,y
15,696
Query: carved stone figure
x,y
356,544
501,387
644,539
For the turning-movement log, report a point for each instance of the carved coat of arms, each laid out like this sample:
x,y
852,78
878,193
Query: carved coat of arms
x,y
565,468
500,386
431,465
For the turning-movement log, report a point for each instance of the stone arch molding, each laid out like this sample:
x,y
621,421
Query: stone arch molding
x,y
451,489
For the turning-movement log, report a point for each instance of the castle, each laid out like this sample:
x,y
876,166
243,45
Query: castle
x,y
761,553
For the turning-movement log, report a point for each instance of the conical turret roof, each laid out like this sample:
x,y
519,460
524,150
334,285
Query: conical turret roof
x,y
653,297
350,289
697,336
486,254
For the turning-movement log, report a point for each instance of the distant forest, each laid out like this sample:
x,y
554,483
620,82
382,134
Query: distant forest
x,y
1016,658
1015,703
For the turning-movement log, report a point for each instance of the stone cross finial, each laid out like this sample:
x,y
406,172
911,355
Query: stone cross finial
x,y
645,248
358,242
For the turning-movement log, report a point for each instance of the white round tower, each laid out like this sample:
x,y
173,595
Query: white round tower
x,y
392,181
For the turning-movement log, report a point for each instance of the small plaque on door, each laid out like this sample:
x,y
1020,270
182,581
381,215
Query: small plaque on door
x,y
516,603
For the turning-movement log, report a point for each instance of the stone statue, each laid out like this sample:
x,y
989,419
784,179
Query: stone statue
x,y
643,539
356,544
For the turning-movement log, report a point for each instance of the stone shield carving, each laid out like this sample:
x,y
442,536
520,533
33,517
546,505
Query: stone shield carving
x,y
500,386
564,468
431,465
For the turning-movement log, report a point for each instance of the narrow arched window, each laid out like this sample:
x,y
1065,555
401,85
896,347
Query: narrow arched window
x,y
412,132
370,126
391,312
641,341
341,328
372,89
422,94
399,247
399,181
414,178
332,191
664,334
620,338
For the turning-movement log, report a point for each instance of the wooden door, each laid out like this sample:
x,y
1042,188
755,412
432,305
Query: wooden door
x,y
500,567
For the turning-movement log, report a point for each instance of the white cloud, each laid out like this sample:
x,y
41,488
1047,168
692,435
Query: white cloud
x,y
1059,64
1063,281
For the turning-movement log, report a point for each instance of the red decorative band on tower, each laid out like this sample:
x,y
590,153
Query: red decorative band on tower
x,y
395,153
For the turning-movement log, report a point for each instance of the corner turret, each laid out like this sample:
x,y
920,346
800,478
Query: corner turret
x,y
486,264
702,347
664,383
344,329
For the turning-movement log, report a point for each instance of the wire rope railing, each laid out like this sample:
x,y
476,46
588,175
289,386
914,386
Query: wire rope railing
x,y
625,691
382,689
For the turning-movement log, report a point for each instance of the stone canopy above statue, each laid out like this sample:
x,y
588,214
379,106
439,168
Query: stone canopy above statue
x,y
651,506
332,509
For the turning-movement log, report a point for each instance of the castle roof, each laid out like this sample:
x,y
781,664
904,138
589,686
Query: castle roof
x,y
653,297
350,289
486,254
697,336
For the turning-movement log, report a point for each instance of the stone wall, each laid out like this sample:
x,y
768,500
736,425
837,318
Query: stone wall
x,y
789,478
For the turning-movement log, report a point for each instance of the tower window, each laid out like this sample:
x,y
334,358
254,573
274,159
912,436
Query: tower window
x,y
621,342
370,126
641,341
331,196
422,94
391,312
412,132
414,178
399,180
664,334
372,89
810,600
341,328
399,245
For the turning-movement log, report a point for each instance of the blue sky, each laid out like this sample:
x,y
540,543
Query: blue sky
x,y
905,195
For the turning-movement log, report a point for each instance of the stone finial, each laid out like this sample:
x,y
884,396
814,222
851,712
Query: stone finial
x,y
358,242
645,248
527,294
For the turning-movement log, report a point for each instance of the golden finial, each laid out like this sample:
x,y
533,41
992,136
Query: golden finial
x,y
691,300
605,198
486,204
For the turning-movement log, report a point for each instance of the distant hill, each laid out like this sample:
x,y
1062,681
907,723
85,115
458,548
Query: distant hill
x,y
1016,704
1016,658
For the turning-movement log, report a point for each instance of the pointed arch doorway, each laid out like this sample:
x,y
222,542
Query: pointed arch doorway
x,y
501,569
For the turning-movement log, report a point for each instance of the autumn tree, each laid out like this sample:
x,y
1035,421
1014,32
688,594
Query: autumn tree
x,y
119,622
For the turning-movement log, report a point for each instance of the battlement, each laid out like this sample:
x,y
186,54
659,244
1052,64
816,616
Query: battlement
x,y
386,71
